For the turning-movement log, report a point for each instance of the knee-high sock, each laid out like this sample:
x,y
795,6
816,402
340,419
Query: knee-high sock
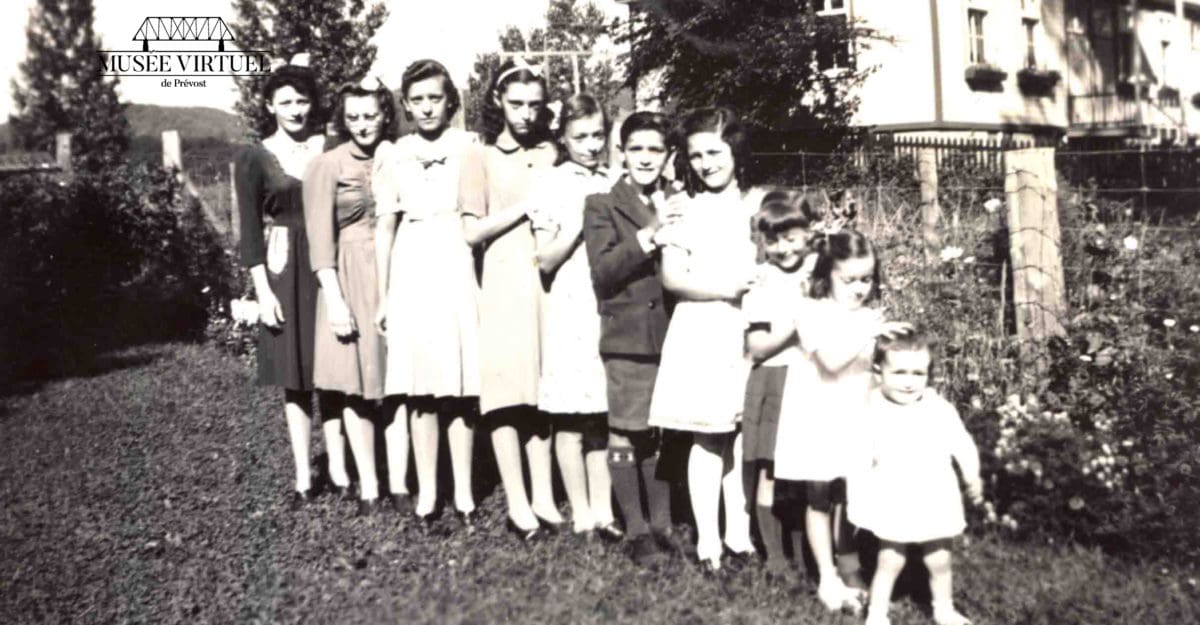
x,y
771,529
658,493
624,471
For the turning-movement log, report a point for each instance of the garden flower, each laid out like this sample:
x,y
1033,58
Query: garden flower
x,y
968,260
244,310
1168,323
1131,243
1193,328
950,253
993,204
1075,503
1085,358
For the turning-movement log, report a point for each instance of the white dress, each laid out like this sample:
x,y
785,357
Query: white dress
x,y
820,434
910,493
701,383
432,312
572,373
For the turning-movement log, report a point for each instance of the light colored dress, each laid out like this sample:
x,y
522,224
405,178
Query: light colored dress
x,y
573,378
776,299
432,295
910,493
701,381
820,434
339,219
495,177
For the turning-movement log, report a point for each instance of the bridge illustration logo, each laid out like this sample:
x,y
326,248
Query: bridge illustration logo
x,y
182,66
183,29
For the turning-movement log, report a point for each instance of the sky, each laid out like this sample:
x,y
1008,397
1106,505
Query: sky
x,y
430,29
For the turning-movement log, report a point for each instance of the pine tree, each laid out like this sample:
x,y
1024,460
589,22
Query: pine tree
x,y
62,88
335,33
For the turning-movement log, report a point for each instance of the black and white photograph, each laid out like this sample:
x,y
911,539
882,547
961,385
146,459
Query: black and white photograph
x,y
685,312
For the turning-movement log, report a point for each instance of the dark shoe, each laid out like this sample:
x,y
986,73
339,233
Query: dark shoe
x,y
341,493
465,521
300,499
781,574
401,504
522,534
646,552
367,507
610,533
675,542
550,526
711,568
737,561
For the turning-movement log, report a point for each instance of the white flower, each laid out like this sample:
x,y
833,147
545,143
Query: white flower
x,y
950,253
1085,358
1168,323
968,260
993,204
1130,243
1193,328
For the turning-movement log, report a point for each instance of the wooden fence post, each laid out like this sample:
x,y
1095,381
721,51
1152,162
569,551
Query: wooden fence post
x,y
931,212
1034,245
62,151
235,218
172,150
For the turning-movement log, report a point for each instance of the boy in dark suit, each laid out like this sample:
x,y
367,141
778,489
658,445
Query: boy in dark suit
x,y
623,235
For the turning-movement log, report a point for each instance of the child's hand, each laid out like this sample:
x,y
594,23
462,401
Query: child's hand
x,y
672,209
975,489
893,329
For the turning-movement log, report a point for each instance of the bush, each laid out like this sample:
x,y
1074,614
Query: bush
x,y
100,260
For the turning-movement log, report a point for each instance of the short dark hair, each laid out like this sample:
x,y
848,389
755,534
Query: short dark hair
x,y
303,80
387,106
493,115
424,70
914,340
725,123
838,246
645,120
784,209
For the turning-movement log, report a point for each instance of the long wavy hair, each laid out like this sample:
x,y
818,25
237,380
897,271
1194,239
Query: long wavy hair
x,y
424,70
725,124
493,113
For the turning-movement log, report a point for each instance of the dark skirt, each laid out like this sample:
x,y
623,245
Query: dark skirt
x,y
285,355
760,414
630,386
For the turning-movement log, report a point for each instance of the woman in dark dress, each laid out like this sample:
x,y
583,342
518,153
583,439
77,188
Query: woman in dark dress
x,y
275,249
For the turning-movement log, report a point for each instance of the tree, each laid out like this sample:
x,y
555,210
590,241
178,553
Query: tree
x,y
62,88
782,66
571,25
336,33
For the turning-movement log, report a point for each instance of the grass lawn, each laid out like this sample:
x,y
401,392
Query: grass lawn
x,y
154,492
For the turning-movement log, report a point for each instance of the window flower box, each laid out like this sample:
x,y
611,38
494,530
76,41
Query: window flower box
x,y
1168,95
985,76
1038,81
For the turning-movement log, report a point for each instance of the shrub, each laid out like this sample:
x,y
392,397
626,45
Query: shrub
x,y
99,260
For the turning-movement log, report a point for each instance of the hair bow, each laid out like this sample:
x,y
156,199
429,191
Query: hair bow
x,y
519,64
300,59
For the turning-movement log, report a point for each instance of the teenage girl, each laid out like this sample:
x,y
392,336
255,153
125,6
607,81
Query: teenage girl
x,y
428,294
701,382
572,385
783,226
820,440
910,495
495,178
339,214
267,180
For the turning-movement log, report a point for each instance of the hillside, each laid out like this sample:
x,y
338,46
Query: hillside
x,y
192,122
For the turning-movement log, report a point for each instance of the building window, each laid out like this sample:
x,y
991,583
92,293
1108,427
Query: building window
x,y
975,42
1030,42
829,7
1195,26
1166,52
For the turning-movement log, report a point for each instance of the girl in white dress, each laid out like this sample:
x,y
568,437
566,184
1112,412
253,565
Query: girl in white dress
x,y
701,384
910,495
572,387
429,294
820,438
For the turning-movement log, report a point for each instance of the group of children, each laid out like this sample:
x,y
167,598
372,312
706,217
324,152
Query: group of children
x,y
609,314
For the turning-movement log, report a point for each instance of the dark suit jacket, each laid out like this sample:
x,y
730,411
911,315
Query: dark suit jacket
x,y
633,311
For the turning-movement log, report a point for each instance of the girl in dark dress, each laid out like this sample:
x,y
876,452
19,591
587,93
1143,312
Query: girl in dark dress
x,y
274,248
